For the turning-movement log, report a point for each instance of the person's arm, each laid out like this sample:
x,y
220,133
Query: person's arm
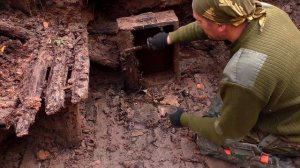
x,y
239,114
189,32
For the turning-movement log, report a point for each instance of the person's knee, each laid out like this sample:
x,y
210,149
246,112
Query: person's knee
x,y
207,147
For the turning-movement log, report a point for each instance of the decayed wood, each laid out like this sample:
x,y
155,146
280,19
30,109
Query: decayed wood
x,y
31,95
80,73
129,62
147,20
14,31
55,92
46,73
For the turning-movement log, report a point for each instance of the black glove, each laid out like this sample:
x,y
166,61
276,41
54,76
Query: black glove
x,y
158,41
175,117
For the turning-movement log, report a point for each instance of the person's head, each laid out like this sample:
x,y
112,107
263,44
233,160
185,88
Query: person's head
x,y
214,30
218,17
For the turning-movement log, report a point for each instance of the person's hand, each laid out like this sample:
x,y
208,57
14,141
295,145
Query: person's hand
x,y
175,117
158,41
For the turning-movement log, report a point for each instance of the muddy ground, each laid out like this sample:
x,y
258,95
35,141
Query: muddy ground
x,y
129,130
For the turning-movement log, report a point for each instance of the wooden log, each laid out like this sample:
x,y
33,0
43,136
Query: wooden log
x,y
13,31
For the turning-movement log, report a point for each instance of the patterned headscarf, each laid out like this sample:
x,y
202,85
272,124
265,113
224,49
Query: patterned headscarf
x,y
235,12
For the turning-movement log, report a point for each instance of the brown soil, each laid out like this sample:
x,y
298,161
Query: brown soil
x,y
119,129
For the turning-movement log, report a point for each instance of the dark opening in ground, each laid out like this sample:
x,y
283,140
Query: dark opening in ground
x,y
153,61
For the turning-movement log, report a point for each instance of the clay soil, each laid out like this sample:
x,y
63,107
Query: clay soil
x,y
120,129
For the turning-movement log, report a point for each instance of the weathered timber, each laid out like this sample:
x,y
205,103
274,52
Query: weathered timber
x,y
138,61
55,92
80,73
147,20
13,31
55,71
31,95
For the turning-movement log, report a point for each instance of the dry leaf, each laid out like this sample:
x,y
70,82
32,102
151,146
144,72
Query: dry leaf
x,y
200,86
2,49
45,24
171,100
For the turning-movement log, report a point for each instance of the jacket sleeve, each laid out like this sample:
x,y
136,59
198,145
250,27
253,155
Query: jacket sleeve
x,y
187,33
240,111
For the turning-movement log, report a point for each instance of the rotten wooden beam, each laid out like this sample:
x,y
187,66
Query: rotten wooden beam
x,y
80,73
147,20
14,31
30,98
55,92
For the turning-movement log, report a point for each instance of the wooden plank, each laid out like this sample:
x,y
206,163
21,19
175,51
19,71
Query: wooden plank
x,y
55,92
31,95
147,20
46,73
80,73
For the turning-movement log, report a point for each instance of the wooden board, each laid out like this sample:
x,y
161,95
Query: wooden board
x,y
147,20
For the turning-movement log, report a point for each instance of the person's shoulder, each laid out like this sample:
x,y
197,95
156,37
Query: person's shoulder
x,y
244,67
272,8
